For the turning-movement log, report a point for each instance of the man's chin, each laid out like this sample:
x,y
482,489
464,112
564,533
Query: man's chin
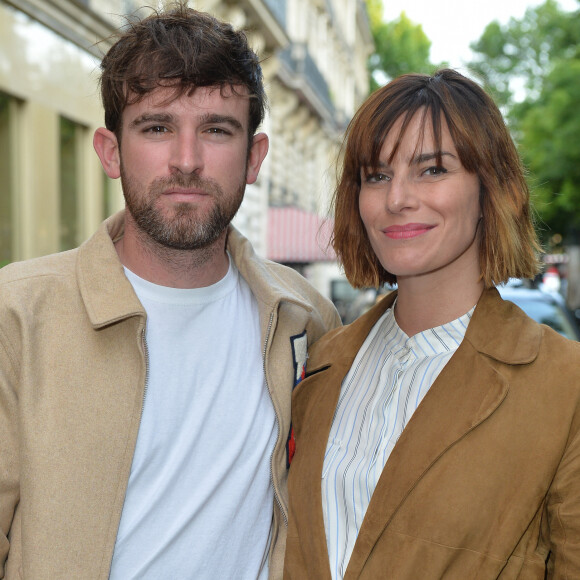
x,y
171,210
181,232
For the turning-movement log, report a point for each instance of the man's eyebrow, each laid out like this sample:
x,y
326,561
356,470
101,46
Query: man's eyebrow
x,y
164,118
151,118
210,118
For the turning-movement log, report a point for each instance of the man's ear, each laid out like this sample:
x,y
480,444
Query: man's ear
x,y
107,148
257,154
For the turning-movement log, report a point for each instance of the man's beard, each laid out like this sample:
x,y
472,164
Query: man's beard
x,y
185,229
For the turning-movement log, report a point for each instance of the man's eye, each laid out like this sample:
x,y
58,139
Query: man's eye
x,y
217,131
156,129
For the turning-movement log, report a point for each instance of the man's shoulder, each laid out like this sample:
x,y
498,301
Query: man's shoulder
x,y
296,285
33,287
61,264
267,279
29,271
289,276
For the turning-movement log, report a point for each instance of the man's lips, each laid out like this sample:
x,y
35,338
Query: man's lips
x,y
185,194
184,191
407,231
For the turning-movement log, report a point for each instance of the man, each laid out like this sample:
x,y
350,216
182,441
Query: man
x,y
145,378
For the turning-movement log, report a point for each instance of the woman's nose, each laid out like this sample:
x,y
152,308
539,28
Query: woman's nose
x,y
399,195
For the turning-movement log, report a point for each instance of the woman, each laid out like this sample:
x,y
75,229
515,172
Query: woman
x,y
438,436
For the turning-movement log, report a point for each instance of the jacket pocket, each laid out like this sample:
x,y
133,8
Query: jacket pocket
x,y
315,371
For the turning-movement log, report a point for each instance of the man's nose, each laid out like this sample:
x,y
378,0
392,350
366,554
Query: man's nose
x,y
186,154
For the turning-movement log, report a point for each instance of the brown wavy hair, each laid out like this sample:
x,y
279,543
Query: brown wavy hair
x,y
183,49
509,246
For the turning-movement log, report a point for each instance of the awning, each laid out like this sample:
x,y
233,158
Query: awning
x,y
298,236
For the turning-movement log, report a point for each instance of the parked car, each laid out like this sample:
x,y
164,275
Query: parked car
x,y
544,307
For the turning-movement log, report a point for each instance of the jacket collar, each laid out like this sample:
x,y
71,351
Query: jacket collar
x,y
519,339
109,296
517,343
106,292
260,274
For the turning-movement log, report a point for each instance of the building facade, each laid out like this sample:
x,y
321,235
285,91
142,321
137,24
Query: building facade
x,y
53,192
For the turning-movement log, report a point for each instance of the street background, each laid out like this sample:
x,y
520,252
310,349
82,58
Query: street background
x,y
320,61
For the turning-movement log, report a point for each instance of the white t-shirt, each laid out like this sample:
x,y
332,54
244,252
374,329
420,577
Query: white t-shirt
x,y
199,500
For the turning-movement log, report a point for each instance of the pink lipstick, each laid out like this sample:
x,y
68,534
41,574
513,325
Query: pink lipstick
x,y
406,231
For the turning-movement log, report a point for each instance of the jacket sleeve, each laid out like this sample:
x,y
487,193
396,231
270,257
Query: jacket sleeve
x,y
9,486
564,513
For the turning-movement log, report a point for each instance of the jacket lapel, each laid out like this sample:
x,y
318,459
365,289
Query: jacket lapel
x,y
314,402
444,416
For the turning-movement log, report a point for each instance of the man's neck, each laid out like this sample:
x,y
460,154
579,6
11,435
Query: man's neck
x,y
171,267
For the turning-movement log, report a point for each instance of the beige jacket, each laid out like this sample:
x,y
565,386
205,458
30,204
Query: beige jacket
x,y
72,377
484,482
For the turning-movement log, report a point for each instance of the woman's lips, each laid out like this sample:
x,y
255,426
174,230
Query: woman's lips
x,y
407,231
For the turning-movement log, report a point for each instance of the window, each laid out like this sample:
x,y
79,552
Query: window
x,y
70,134
6,182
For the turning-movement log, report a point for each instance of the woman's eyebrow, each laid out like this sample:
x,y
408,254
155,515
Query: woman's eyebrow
x,y
423,157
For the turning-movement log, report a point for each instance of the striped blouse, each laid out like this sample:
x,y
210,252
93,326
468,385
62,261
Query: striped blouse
x,y
388,379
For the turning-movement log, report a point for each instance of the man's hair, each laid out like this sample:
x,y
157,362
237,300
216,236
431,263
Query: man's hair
x,y
508,242
183,49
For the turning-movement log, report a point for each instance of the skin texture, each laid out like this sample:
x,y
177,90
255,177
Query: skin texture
x,y
422,222
184,164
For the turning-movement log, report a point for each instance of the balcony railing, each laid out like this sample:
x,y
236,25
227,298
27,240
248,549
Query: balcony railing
x,y
297,58
278,10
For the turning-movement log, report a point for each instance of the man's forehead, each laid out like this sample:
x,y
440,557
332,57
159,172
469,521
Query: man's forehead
x,y
235,100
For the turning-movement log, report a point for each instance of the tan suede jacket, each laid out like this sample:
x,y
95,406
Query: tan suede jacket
x,y
484,482
72,378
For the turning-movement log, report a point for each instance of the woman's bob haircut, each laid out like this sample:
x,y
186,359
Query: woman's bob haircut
x,y
508,243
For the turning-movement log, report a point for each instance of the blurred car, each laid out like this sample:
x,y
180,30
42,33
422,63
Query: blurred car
x,y
353,302
544,307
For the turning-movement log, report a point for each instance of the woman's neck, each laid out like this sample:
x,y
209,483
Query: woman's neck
x,y
421,306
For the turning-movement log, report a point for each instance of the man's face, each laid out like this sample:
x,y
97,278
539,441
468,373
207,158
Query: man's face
x,y
184,164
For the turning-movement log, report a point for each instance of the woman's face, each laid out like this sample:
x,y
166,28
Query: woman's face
x,y
422,218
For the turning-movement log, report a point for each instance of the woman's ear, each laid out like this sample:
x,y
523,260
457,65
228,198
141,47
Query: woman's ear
x,y
107,148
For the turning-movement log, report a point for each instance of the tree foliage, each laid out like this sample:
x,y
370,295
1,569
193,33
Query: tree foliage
x,y
550,142
401,46
532,67
524,49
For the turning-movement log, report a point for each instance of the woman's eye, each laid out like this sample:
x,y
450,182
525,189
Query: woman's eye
x,y
435,170
376,177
